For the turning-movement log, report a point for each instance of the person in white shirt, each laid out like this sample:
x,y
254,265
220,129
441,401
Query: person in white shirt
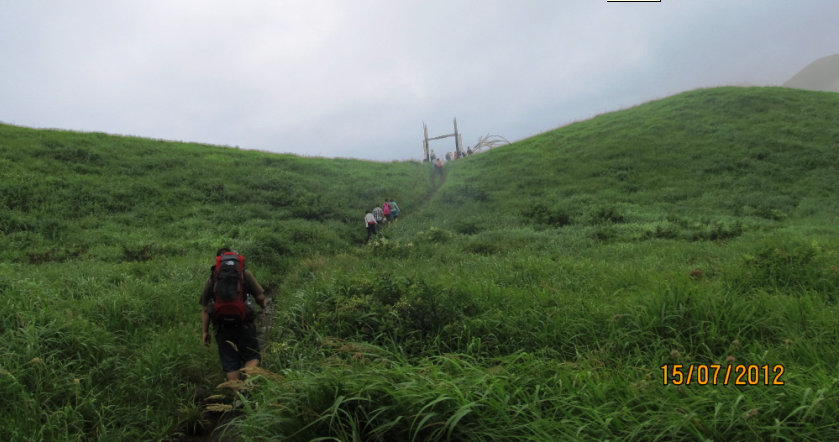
x,y
370,222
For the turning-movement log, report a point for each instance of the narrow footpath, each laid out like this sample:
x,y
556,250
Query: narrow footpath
x,y
214,432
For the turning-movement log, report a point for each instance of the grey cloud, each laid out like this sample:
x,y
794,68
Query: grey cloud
x,y
357,78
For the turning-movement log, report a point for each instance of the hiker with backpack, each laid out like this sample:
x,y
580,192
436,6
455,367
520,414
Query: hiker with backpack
x,y
386,212
227,302
394,210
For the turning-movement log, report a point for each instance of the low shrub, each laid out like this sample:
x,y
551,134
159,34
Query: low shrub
x,y
606,215
467,227
768,213
603,233
482,248
433,236
787,267
542,214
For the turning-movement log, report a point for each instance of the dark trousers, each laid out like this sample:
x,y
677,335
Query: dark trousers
x,y
237,345
371,230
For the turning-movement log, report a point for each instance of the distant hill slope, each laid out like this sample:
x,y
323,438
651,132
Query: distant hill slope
x,y
715,153
820,75
92,190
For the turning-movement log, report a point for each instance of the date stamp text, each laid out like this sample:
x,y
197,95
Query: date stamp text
x,y
716,374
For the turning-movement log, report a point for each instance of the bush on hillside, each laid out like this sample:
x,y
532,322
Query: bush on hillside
x,y
433,236
382,246
606,215
788,267
677,228
767,213
407,310
664,231
542,214
69,154
467,226
482,248
604,233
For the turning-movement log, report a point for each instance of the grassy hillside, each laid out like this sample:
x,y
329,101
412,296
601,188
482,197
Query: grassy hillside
x,y
535,296
719,153
539,293
106,242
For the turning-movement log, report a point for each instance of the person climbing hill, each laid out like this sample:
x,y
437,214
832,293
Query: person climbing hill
x,y
394,210
227,303
370,222
386,211
378,214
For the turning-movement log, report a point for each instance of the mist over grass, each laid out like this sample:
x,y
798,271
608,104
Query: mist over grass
x,y
535,296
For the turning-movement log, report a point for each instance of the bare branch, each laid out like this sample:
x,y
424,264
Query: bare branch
x,y
488,142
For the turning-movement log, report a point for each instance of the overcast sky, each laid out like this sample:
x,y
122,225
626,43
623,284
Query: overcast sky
x,y
347,78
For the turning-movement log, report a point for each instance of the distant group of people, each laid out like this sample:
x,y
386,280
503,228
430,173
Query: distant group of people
x,y
449,156
438,162
388,211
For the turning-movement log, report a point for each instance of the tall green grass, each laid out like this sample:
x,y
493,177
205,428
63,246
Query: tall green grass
x,y
533,296
540,291
106,242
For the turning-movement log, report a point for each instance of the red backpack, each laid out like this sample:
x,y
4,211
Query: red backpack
x,y
229,298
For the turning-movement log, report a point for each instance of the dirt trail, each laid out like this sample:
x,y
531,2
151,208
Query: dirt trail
x,y
441,176
265,321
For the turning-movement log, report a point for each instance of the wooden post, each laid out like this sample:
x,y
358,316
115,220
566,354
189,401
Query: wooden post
x,y
458,141
425,143
456,138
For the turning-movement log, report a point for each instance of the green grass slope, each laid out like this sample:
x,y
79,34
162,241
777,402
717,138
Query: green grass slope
x,y
541,290
106,241
718,153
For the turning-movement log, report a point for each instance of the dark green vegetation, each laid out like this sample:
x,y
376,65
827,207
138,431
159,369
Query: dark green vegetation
x,y
106,242
534,297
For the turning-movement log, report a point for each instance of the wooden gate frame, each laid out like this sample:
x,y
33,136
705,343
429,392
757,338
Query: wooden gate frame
x,y
458,143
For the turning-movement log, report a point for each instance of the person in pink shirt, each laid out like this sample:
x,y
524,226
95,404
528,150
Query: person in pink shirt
x,y
386,211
